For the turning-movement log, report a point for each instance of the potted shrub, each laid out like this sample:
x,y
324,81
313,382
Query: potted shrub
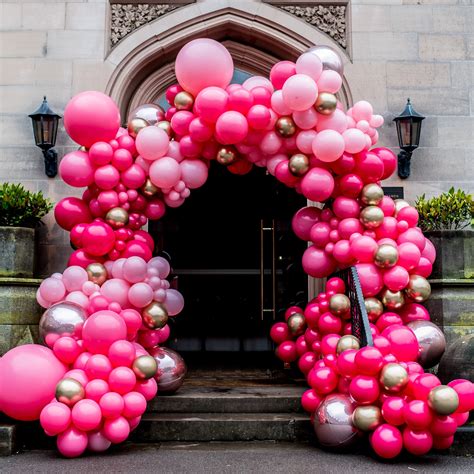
x,y
447,220
21,212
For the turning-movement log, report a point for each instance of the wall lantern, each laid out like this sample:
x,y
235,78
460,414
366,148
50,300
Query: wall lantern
x,y
45,128
408,130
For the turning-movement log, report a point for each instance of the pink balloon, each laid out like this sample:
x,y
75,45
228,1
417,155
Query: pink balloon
x,y
210,103
309,64
387,441
55,417
134,269
98,238
271,143
111,405
86,415
52,290
317,184
259,117
328,145
199,131
181,121
388,159
91,117
152,143
194,173
303,220
106,177
122,380
122,159
304,140
429,251
66,349
116,290
231,128
299,92
96,388
147,388
337,122
306,119
280,72
117,430
349,226
317,263
72,442
134,404
396,278
28,378
404,345
408,255
329,81
363,248
257,81
414,312
102,329
196,59
140,295
345,207
240,100
165,172
370,278
98,366
97,442
100,153
354,140
174,302
133,177
70,212
76,169
279,105
362,110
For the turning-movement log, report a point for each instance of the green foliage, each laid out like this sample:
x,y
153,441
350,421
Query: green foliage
x,y
21,208
448,211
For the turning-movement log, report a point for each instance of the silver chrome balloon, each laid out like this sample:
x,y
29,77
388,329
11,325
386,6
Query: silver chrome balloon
x,y
63,319
171,369
329,57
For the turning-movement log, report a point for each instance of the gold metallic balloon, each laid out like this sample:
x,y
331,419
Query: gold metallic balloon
x,y
371,194
443,400
399,205
393,377
418,288
374,308
82,148
145,367
367,417
155,315
386,256
299,164
326,103
69,391
166,126
371,217
296,324
135,125
392,299
96,272
149,189
285,126
347,342
117,217
183,100
226,155
339,304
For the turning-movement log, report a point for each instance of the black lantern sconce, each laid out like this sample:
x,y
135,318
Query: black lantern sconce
x,y
408,130
45,128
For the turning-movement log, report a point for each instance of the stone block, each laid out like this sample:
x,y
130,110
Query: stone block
x,y
418,75
470,46
370,18
457,132
15,131
84,44
452,19
22,44
429,2
8,444
10,16
90,75
43,16
462,74
53,72
52,258
86,16
441,47
434,101
384,46
17,335
15,71
417,18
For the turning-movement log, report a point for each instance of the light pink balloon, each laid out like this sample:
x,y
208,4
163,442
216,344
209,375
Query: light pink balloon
x,y
165,172
174,302
194,173
429,251
328,145
299,92
337,121
278,104
74,277
116,290
79,298
304,141
140,295
329,81
362,110
152,143
306,119
161,264
231,128
309,64
202,63
173,152
271,143
354,140
52,290
257,81
274,161
134,269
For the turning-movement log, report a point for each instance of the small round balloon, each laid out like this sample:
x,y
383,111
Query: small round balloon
x,y
171,369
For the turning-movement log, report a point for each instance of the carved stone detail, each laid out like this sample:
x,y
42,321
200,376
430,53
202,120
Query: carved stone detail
x,y
329,19
125,18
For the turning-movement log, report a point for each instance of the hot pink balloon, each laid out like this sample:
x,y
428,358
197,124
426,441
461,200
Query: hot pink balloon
x,y
91,117
101,330
303,220
133,177
106,177
76,169
165,172
317,263
396,278
210,103
152,143
280,72
72,442
195,61
70,212
101,153
328,145
55,418
317,184
86,415
370,278
304,141
231,128
299,92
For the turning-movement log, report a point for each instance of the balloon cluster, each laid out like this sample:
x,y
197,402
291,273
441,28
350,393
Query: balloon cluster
x,y
112,303
380,389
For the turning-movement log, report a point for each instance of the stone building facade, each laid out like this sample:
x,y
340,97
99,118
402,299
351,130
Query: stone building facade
x,y
393,49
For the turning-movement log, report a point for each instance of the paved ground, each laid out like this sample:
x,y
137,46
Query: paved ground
x,y
257,457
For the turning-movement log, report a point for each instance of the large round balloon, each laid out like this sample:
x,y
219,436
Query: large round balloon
x,y
28,378
431,341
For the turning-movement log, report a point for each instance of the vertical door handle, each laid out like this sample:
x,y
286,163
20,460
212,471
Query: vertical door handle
x,y
264,229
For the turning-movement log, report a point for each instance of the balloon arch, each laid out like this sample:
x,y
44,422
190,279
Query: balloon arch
x,y
106,314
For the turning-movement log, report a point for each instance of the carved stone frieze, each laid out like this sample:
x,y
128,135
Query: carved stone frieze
x,y
330,19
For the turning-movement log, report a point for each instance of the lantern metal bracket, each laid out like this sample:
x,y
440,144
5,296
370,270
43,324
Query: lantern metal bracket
x,y
50,162
404,161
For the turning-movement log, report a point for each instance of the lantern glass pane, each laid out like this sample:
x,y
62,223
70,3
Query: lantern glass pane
x,y
405,133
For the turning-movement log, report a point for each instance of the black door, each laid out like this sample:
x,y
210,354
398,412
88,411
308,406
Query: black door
x,y
235,260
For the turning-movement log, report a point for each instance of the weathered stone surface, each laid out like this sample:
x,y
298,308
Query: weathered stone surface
x,y
7,439
17,252
456,362
441,47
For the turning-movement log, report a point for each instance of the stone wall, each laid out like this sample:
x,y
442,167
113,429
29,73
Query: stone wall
x,y
422,49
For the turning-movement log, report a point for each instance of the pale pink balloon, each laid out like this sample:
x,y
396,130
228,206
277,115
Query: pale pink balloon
x,y
140,295
79,298
165,172
74,277
354,140
145,164
337,121
174,302
173,152
328,145
97,442
304,141
202,63
194,173
117,268
116,290
152,143
329,81
161,264
257,81
317,184
271,143
134,269
299,92
309,64
376,121
274,161
306,119
278,104
52,290
362,110
231,128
